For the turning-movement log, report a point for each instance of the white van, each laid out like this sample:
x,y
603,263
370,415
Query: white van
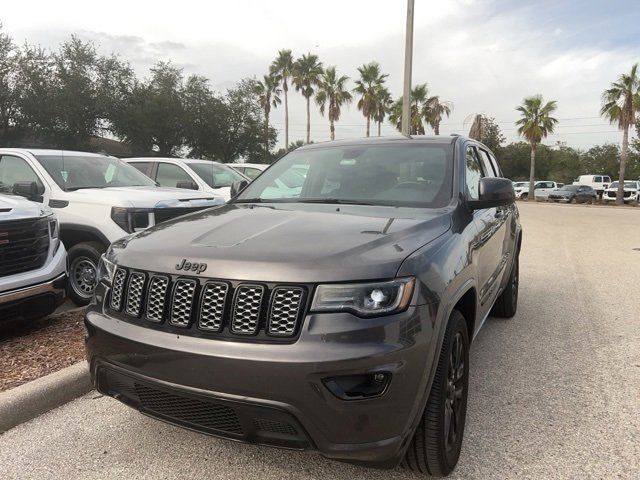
x,y
598,182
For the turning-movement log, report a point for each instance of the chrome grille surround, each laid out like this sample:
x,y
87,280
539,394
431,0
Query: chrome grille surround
x,y
182,302
285,308
117,288
247,303
156,297
135,287
212,303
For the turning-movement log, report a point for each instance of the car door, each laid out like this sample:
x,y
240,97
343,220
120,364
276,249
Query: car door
x,y
491,231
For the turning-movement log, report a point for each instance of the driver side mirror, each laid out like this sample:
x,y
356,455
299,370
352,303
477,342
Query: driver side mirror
x,y
493,192
238,186
28,190
188,184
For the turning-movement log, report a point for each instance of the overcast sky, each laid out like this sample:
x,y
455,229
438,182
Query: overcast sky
x,y
482,55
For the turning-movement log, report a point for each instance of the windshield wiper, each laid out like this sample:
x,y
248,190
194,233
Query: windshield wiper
x,y
73,189
250,200
340,201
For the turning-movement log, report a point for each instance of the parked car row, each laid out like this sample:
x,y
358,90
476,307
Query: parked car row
x,y
87,201
587,188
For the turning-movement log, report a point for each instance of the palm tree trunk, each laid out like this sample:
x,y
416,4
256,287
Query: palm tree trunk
x,y
379,126
532,174
368,125
308,120
623,165
266,137
286,116
436,128
332,129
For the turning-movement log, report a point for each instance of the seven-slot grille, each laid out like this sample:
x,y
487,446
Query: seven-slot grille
x,y
225,308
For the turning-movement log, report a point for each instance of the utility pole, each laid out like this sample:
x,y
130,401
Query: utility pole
x,y
408,60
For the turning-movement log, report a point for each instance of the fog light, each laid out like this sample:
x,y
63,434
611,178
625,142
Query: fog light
x,y
356,387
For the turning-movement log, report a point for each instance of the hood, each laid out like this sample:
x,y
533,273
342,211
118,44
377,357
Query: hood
x,y
286,243
17,208
145,197
626,189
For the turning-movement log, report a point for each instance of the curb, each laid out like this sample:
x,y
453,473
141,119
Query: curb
x,y
34,398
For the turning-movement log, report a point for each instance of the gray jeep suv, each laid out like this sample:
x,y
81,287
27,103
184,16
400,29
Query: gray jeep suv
x,y
335,317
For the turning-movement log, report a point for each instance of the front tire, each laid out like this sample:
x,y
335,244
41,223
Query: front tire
x,y
507,303
436,444
83,269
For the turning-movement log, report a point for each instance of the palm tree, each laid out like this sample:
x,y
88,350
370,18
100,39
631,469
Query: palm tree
x,y
282,66
433,111
306,75
535,124
268,92
370,79
384,103
418,99
620,103
331,90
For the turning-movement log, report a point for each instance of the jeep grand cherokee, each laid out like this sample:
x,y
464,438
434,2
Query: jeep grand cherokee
x,y
336,319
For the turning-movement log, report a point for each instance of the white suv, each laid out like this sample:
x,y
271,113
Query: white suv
x,y
97,199
631,191
201,175
542,189
33,261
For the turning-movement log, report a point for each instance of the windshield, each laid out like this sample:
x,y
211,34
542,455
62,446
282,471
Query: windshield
x,y
416,175
215,175
570,188
520,184
626,184
73,172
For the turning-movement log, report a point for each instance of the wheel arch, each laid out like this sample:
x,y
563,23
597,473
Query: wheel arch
x,y
73,234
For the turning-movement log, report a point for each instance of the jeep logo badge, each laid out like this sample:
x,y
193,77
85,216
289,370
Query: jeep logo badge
x,y
191,266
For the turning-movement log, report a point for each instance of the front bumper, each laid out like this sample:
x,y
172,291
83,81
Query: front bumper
x,y
275,392
34,301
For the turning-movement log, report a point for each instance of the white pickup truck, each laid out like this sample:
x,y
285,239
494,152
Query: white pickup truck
x,y
33,261
97,199
542,189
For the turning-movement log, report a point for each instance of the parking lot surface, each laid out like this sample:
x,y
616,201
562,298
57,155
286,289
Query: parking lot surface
x,y
554,392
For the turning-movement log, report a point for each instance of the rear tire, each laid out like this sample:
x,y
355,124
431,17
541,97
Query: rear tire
x,y
436,444
524,196
83,269
507,303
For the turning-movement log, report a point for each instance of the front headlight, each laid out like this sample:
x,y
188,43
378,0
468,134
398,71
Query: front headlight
x,y
364,299
54,233
106,269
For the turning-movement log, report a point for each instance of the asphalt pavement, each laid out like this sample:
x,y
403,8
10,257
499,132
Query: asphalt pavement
x,y
554,392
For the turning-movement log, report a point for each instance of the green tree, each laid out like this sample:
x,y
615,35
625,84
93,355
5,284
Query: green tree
x,y
307,71
8,92
433,111
203,117
620,102
35,95
242,127
331,96
490,134
535,124
268,92
282,67
371,78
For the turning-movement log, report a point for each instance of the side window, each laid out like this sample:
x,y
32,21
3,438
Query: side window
x,y
597,179
606,179
169,175
252,172
473,173
486,163
13,170
496,167
141,166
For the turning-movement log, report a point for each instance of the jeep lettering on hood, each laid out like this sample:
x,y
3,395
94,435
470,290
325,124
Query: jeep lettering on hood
x,y
189,266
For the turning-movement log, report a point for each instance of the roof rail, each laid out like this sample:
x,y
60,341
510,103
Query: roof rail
x,y
455,135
